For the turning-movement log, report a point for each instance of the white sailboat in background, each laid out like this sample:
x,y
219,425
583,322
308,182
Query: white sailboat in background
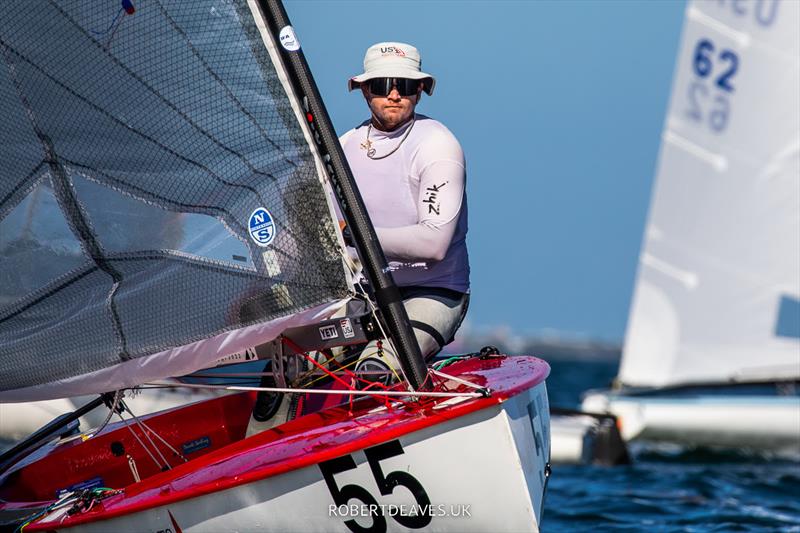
x,y
712,349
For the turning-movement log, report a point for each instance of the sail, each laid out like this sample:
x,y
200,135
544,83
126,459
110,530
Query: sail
x,y
717,295
162,202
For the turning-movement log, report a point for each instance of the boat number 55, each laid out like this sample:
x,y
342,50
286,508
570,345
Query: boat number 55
x,y
386,485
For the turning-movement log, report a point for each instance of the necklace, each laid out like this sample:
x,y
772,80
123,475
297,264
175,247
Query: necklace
x,y
367,145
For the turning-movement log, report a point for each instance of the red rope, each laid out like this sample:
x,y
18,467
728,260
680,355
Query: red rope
x,y
348,387
300,351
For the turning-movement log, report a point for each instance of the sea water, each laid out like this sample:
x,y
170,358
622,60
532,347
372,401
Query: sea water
x,y
665,489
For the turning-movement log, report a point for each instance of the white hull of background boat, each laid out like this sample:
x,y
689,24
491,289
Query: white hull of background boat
x,y
582,438
763,424
571,439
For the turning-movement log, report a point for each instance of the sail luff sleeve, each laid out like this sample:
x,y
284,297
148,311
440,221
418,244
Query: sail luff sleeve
x,y
393,312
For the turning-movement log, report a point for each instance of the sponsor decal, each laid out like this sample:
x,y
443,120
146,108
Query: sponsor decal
x,y
93,483
262,227
398,265
239,357
196,445
288,39
347,328
328,332
432,198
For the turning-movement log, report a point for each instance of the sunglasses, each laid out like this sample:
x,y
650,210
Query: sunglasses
x,y
383,86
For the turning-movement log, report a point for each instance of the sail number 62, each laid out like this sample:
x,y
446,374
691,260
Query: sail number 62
x,y
386,485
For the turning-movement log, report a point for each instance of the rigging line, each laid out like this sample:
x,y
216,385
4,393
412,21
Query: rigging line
x,y
350,374
144,446
113,33
290,390
457,380
251,375
114,21
159,437
146,434
67,499
222,83
111,410
300,351
152,90
353,363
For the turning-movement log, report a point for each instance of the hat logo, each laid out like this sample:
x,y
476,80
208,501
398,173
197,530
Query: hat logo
x,y
388,50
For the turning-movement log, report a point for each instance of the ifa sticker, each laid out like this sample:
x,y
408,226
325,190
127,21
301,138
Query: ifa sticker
x,y
347,328
262,227
288,39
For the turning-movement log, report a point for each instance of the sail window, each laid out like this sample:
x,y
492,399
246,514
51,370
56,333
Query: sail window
x,y
36,245
125,224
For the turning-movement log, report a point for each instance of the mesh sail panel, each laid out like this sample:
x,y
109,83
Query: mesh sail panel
x,y
140,140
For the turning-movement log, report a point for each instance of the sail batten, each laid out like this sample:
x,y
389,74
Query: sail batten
x,y
721,251
162,204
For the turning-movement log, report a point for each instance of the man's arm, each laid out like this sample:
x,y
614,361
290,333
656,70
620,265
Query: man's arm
x,y
441,193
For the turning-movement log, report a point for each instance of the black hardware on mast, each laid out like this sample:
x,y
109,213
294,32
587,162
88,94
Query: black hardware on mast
x,y
387,295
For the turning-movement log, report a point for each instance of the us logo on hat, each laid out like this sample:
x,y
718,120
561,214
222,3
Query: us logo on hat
x,y
389,50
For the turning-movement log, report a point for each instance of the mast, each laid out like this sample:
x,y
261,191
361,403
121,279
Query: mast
x,y
387,296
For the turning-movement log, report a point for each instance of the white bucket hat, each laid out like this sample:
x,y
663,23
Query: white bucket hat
x,y
392,60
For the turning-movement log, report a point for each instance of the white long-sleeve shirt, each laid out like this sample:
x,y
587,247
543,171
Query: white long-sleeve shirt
x,y
416,199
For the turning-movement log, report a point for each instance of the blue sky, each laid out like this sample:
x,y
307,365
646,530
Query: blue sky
x,y
559,106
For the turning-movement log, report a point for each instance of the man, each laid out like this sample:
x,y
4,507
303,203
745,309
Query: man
x,y
410,172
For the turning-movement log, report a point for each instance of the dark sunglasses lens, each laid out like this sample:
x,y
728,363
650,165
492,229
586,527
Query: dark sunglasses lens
x,y
380,86
407,87
383,86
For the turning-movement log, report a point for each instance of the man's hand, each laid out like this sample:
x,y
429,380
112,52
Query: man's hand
x,y
346,235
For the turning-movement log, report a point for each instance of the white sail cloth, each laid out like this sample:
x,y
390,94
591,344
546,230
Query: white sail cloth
x,y
717,296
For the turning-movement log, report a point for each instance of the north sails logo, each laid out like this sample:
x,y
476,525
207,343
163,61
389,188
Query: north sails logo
x,y
389,50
